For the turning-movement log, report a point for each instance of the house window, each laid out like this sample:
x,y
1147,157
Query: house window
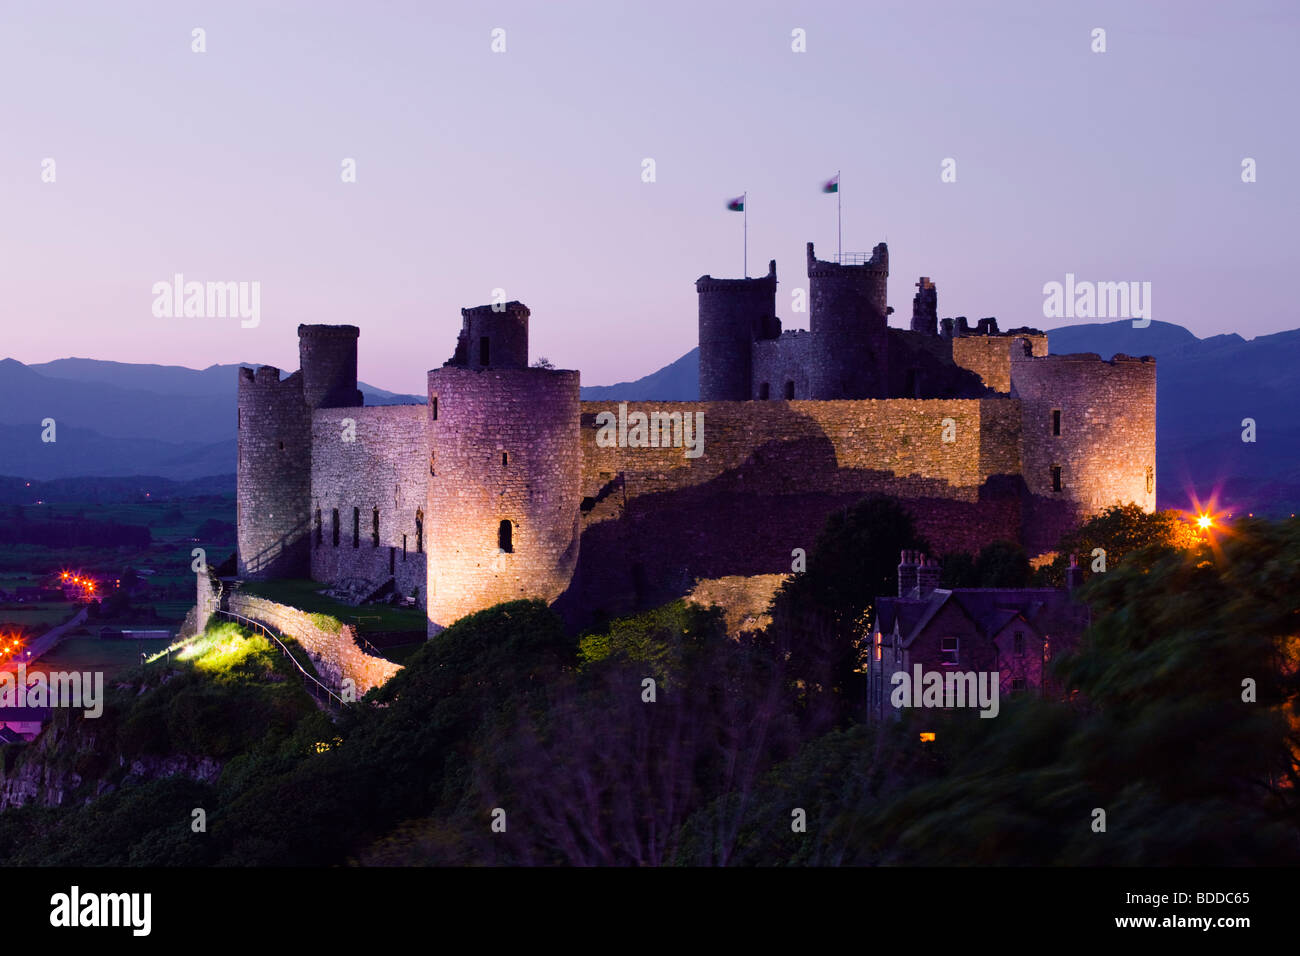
x,y
374,528
356,527
789,391
1151,479
320,533
335,529
484,351
419,531
762,392
948,652
1017,685
1018,644
1056,421
1056,477
505,537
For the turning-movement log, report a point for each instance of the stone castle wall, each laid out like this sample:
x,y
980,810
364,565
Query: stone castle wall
x,y
989,356
504,448
655,522
273,481
383,473
335,655
1107,443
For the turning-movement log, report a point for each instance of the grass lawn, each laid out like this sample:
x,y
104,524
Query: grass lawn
x,y
91,654
38,615
369,617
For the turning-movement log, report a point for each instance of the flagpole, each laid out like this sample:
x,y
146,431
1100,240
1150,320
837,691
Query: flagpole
x,y
744,202
839,219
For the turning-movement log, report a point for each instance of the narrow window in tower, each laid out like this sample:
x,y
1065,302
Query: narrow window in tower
x,y
392,560
336,527
505,537
403,548
320,533
789,391
281,446
433,407
1056,421
1056,477
762,392
1151,479
504,460
484,351
356,527
374,528
419,531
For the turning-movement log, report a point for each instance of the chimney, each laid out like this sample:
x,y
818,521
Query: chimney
x,y
906,573
927,575
1073,574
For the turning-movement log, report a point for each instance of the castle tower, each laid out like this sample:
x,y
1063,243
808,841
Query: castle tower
x,y
493,337
505,466
1088,428
327,356
849,326
925,307
733,313
273,475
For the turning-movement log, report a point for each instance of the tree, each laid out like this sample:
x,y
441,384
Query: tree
x,y
1118,531
821,618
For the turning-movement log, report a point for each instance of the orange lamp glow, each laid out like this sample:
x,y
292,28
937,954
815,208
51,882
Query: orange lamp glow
x,y
927,737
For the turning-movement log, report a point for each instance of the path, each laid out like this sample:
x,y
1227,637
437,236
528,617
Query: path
x,y
45,643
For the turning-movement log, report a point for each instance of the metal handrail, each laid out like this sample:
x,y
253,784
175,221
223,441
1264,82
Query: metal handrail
x,y
854,258
267,631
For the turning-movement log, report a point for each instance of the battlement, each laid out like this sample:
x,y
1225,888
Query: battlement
x,y
706,283
268,377
821,268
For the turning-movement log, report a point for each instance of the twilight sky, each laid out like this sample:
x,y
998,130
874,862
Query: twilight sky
x,y
522,170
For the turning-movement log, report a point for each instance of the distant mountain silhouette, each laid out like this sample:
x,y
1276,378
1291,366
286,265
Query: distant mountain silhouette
x,y
119,419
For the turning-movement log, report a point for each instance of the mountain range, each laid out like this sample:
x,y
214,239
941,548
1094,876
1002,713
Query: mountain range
x,y
121,419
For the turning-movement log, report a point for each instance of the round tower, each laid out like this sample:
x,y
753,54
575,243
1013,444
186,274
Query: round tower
x,y
1088,428
273,475
733,313
505,464
848,322
493,336
327,356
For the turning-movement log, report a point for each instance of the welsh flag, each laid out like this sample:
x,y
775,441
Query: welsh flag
x,y
737,204
832,185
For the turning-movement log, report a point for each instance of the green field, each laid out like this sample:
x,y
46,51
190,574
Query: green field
x,y
172,525
91,654
40,616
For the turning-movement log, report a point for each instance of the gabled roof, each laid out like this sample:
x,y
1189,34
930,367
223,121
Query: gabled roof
x,y
988,609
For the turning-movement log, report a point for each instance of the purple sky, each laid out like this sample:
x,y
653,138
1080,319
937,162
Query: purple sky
x,y
522,170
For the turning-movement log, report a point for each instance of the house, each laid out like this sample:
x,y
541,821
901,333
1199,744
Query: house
x,y
1015,632
25,722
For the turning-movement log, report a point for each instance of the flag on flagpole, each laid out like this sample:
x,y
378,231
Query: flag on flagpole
x,y
832,185
737,204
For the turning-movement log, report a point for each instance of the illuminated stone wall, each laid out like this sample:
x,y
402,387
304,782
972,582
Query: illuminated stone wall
x,y
503,447
381,472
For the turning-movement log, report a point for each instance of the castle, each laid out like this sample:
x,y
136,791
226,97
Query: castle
x,y
505,486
